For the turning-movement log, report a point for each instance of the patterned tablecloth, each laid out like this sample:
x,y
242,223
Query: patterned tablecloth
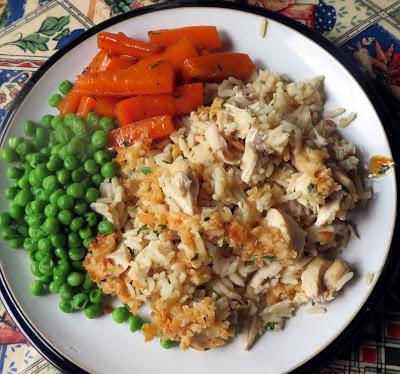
x,y
368,30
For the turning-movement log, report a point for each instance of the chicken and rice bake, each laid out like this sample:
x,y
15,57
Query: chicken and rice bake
x,y
228,224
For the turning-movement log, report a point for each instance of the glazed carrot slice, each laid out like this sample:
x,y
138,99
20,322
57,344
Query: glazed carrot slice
x,y
70,102
140,79
218,66
200,36
183,100
105,106
120,43
150,128
98,62
87,104
176,54
105,61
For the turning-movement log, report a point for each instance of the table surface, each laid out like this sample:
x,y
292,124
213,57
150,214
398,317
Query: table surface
x,y
367,30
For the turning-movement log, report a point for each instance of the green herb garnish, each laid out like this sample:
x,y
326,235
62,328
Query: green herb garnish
x,y
143,228
146,170
270,326
311,187
163,227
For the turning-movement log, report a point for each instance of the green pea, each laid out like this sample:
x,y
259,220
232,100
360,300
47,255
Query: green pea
x,y
63,152
76,146
23,197
77,253
97,179
54,287
78,265
45,279
46,151
63,135
88,284
10,192
30,245
65,305
99,139
78,127
31,256
13,142
35,178
37,288
24,148
51,210
81,207
78,175
7,233
46,120
75,279
14,173
63,176
61,253
23,182
36,233
92,118
16,242
75,190
56,195
54,163
70,163
74,241
57,121
65,217
35,269
46,265
29,128
85,233
23,230
5,219
39,256
65,86
41,137
68,119
26,167
44,196
135,323
91,219
91,195
76,224
109,170
95,296
87,241
93,311
51,225
90,166
106,124
37,206
16,212
80,301
35,159
50,184
55,100
62,268
44,245
9,154
120,314
102,156
66,292
65,202
166,344
105,227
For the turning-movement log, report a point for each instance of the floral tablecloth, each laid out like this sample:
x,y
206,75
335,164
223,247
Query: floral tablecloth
x,y
368,30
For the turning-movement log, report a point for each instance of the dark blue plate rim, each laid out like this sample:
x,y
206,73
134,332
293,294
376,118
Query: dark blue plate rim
x,y
391,264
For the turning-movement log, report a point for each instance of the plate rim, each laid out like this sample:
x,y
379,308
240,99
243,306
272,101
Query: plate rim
x,y
391,264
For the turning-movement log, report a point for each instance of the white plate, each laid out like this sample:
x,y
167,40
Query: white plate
x,y
101,346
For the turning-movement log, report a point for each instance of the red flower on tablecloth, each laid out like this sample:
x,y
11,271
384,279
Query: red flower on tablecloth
x,y
9,334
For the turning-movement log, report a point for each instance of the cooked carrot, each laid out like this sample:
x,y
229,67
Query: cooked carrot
x,y
105,106
140,79
122,44
183,100
98,62
218,66
105,61
176,54
150,128
70,102
200,36
87,104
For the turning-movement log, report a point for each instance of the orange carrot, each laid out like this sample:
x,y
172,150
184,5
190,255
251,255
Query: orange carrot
x,y
87,104
105,106
70,102
140,79
150,128
218,66
200,36
183,100
120,43
105,61
176,54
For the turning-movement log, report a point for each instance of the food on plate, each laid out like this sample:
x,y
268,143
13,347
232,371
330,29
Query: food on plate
x,y
180,177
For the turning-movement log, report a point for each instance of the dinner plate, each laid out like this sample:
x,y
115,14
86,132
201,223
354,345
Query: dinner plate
x,y
77,344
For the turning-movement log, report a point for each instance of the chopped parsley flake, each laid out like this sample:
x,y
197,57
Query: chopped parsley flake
x,y
153,66
146,170
163,227
167,162
126,144
157,233
311,187
270,257
270,326
143,228
383,169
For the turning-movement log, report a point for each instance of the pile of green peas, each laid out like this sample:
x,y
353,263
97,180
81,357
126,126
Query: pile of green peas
x,y
55,175
121,315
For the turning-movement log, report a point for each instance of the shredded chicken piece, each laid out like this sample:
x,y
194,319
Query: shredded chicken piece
x,y
219,145
327,213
